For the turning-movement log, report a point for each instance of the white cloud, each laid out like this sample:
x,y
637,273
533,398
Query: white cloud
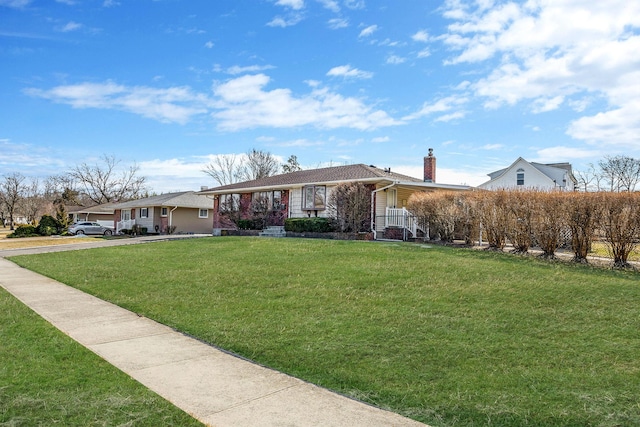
x,y
348,71
209,45
17,4
236,69
421,36
170,175
451,116
244,103
283,22
302,142
394,59
354,4
459,176
67,2
561,153
174,104
337,23
236,104
366,32
71,26
442,105
28,158
293,4
332,5
492,147
555,53
110,3
424,53
381,139
542,105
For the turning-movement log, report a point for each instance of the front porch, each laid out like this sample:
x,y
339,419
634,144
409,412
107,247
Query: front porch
x,y
406,224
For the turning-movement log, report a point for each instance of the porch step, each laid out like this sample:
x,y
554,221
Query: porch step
x,y
273,231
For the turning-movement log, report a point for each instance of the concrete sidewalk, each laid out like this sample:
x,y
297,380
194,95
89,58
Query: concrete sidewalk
x,y
215,387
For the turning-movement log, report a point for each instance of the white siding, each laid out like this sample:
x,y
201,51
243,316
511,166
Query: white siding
x,y
295,204
381,210
533,178
145,222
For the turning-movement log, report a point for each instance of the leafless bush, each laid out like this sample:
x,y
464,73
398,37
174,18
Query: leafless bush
x,y
521,207
350,204
495,217
582,213
549,220
440,210
620,224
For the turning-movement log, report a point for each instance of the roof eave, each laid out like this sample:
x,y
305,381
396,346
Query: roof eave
x,y
433,185
213,191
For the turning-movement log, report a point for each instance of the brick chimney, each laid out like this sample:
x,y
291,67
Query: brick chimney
x,y
430,167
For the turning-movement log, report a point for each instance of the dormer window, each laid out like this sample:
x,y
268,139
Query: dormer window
x,y
520,176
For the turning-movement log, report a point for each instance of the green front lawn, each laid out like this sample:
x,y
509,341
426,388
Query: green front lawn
x,y
48,379
445,336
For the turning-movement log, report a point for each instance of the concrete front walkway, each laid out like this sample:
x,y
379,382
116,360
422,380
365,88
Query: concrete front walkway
x,y
215,387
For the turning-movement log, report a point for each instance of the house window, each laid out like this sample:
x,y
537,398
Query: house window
x,y
520,177
277,201
261,201
163,211
203,213
314,197
267,200
144,212
229,203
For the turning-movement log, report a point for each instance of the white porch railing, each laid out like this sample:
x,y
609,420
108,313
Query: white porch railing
x,y
402,218
126,224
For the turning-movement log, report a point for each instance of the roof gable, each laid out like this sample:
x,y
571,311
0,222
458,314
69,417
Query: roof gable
x,y
519,163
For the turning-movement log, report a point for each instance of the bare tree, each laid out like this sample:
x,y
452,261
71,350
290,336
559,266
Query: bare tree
x,y
12,190
350,204
589,180
622,173
292,165
33,205
224,169
228,169
259,164
104,182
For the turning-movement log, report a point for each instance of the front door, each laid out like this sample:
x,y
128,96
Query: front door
x,y
391,198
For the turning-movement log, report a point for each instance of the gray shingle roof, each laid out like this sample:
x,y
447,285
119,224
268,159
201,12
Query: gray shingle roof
x,y
184,199
357,172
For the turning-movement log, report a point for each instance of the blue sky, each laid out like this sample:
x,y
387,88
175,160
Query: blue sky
x,y
170,84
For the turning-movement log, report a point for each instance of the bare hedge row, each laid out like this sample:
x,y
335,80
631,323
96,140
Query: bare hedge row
x,y
531,217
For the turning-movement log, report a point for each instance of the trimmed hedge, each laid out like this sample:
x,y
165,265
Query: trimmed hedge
x,y
309,225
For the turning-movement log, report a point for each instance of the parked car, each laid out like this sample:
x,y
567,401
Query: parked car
x,y
87,227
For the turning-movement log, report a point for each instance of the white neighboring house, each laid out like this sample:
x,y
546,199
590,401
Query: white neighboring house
x,y
524,174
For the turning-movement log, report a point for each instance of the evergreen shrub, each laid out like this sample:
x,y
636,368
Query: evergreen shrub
x,y
309,225
24,231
